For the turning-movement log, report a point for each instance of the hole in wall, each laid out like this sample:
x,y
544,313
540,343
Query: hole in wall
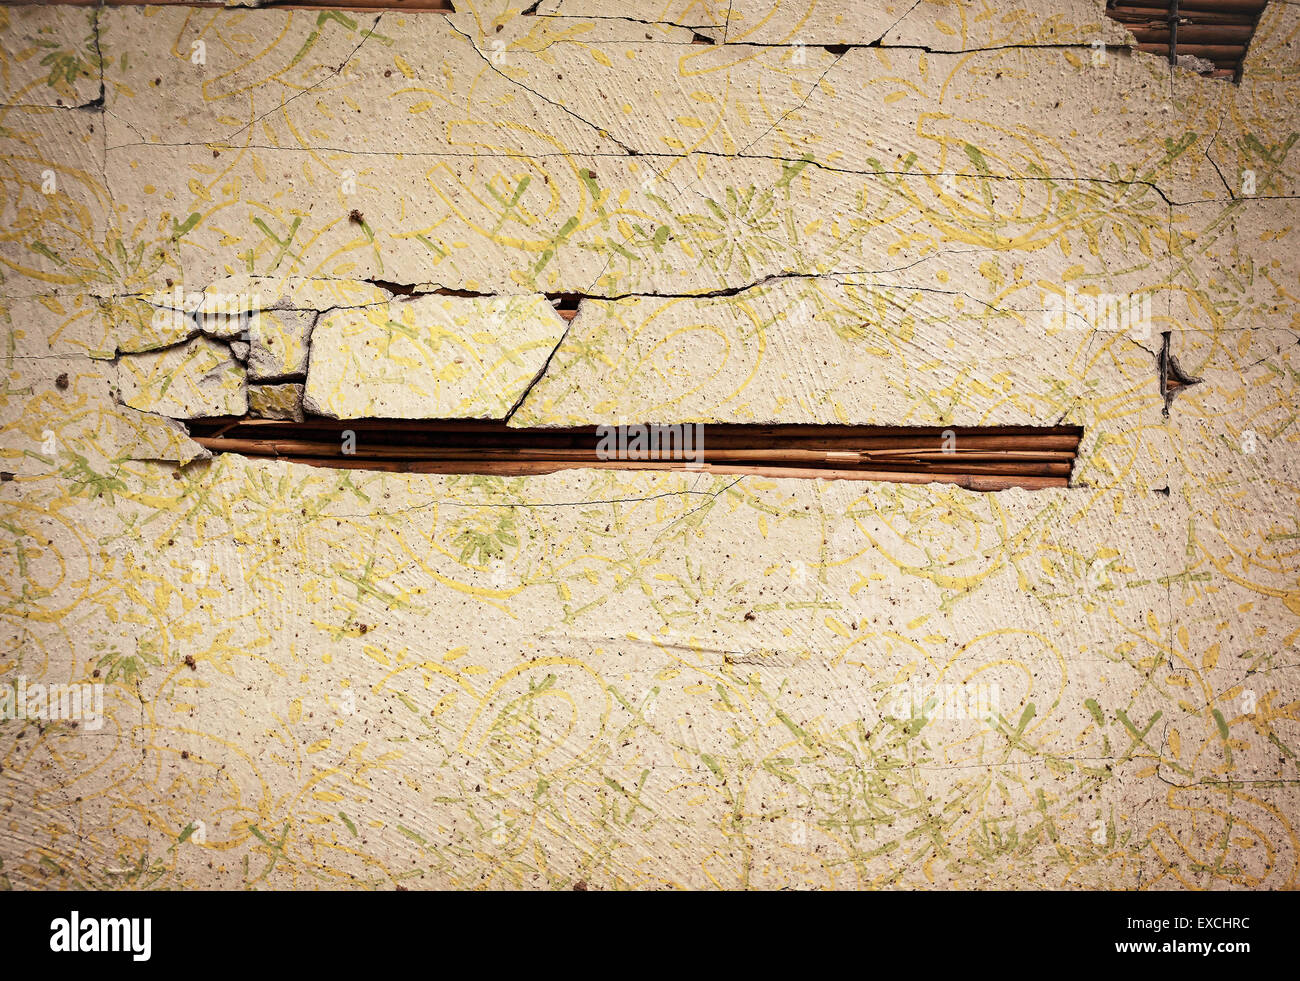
x,y
979,458
1206,36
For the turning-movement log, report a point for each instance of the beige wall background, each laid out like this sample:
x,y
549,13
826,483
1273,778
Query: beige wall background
x,y
888,213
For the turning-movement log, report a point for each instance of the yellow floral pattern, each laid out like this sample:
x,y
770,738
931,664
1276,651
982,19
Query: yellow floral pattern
x,y
344,678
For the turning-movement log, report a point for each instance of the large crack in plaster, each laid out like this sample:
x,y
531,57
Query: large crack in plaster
x,y
359,358
487,60
820,165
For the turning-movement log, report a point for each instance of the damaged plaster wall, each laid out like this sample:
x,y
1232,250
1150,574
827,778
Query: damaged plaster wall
x,y
831,212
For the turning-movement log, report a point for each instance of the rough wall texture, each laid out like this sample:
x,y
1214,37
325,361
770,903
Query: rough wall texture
x,y
898,213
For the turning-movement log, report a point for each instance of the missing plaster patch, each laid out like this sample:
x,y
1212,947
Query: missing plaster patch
x,y
1206,36
983,459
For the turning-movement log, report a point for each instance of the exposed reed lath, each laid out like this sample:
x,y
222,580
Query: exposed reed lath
x,y
1216,32
986,459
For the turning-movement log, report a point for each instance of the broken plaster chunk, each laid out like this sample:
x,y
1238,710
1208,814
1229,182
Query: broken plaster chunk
x,y
278,342
882,354
434,357
140,323
225,326
194,380
1202,66
145,436
239,349
283,401
297,293
225,313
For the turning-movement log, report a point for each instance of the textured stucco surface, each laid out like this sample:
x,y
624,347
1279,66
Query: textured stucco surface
x,y
637,679
431,357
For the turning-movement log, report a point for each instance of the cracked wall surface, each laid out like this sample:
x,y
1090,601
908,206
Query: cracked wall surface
x,y
889,214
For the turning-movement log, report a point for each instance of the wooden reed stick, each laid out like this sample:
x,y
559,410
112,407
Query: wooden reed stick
x,y
989,460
